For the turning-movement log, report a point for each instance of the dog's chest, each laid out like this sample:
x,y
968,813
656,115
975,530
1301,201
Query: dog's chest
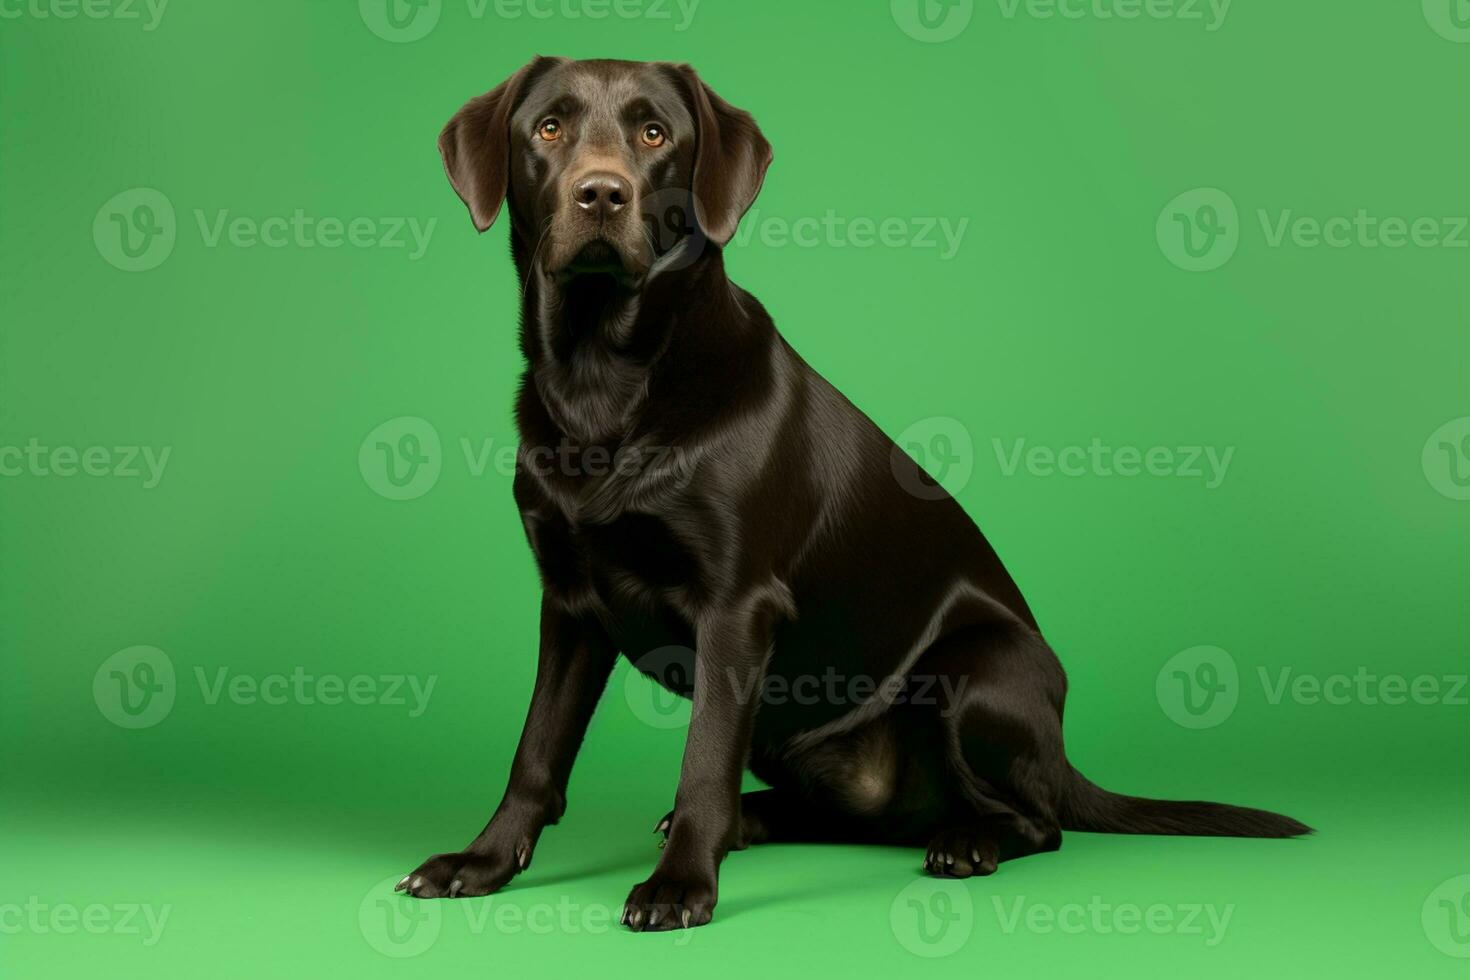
x,y
638,556
631,563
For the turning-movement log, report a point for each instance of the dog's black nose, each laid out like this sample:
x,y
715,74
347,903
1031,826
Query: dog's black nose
x,y
602,193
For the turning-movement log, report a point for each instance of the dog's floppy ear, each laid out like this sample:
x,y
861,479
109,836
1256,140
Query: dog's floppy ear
x,y
475,145
730,160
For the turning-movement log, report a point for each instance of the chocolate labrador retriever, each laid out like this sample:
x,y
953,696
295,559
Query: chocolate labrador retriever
x,y
702,501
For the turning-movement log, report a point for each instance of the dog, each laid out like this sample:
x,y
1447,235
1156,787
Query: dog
x,y
701,501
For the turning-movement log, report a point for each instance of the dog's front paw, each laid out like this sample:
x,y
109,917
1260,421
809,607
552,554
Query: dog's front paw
x,y
464,874
667,901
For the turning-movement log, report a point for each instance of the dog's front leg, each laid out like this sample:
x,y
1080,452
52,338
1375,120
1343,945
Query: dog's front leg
x,y
732,650
572,669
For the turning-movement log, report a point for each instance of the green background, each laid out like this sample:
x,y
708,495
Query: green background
x,y
267,831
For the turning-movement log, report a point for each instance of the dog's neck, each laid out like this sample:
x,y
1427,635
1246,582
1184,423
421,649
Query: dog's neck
x,y
593,344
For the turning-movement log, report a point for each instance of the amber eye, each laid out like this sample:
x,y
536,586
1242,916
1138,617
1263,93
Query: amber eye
x,y
653,135
549,130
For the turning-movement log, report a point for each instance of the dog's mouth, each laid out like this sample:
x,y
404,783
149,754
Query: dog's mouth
x,y
598,258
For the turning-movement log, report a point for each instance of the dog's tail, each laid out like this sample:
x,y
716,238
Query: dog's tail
x,y
1090,807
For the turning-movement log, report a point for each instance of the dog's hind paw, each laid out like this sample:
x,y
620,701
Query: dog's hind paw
x,y
960,852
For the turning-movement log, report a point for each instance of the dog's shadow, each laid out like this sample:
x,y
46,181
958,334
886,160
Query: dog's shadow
x,y
632,865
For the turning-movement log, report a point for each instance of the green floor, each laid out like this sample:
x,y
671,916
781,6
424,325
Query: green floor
x,y
236,891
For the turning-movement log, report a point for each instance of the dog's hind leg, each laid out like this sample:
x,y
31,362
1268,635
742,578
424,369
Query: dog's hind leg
x,y
1000,692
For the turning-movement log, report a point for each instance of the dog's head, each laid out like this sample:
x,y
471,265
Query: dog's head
x,y
609,166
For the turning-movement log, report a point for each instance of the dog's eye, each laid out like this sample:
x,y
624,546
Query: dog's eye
x,y
653,135
549,130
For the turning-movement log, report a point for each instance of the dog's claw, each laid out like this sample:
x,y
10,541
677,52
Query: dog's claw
x,y
961,852
668,902
460,874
